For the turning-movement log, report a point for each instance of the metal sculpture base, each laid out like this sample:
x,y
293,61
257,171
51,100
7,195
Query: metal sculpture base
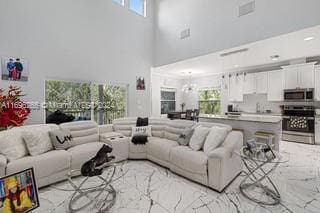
x,y
257,182
102,196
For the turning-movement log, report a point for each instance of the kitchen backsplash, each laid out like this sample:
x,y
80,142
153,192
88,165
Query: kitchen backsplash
x,y
250,102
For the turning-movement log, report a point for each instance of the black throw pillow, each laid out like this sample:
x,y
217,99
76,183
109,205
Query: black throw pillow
x,y
142,122
139,139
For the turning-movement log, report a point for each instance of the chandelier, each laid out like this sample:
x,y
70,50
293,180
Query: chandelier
x,y
189,87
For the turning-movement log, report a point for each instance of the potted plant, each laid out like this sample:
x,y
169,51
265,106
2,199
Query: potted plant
x,y
182,106
13,111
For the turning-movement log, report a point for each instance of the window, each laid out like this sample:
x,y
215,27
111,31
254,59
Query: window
x,y
209,101
168,100
121,2
138,6
86,101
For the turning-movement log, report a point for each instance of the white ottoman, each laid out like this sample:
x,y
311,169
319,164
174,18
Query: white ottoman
x,y
119,144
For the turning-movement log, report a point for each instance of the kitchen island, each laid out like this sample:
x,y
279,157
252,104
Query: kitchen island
x,y
249,124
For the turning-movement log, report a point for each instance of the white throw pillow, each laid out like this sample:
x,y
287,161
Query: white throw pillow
x,y
37,142
214,139
198,137
12,145
141,131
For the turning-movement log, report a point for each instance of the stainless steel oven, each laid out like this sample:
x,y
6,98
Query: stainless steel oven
x,y
299,95
298,124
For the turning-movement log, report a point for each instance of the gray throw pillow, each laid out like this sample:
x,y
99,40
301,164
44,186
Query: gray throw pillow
x,y
61,139
184,137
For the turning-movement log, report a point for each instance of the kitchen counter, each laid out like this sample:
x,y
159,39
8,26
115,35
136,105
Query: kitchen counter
x,y
249,124
250,118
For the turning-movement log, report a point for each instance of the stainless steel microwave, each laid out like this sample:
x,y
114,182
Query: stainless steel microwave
x,y
299,95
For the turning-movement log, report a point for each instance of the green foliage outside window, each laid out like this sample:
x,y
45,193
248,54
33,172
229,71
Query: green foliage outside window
x,y
84,99
210,101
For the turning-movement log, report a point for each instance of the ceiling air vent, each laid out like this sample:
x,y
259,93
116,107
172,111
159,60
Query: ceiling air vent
x,y
185,34
246,8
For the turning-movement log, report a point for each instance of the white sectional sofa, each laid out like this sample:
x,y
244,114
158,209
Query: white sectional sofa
x,y
53,166
215,170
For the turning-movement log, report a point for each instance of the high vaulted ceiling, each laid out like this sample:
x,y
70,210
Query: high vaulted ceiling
x,y
215,25
288,47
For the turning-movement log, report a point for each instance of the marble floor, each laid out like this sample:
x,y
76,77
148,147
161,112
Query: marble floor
x,y
145,187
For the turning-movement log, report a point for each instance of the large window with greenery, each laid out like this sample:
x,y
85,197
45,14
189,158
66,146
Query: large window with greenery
x,y
210,101
168,100
86,101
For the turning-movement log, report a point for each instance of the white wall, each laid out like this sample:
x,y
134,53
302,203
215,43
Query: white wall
x,y
158,81
215,24
79,40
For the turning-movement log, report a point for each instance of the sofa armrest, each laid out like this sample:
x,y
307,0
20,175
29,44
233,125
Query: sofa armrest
x,y
105,128
223,163
3,165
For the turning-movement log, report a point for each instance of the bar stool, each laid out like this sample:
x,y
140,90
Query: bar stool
x,y
265,137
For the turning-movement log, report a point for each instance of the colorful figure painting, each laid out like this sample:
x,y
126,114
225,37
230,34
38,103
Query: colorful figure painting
x,y
18,192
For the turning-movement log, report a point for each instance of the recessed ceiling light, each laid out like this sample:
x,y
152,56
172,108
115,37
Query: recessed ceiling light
x,y
275,57
308,38
236,65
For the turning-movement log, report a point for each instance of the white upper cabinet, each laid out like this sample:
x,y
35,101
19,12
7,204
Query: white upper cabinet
x,y
317,83
262,82
236,87
255,83
249,83
275,85
299,76
306,76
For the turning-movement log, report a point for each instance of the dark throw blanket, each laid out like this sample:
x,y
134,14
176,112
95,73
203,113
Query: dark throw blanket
x,y
140,139
90,168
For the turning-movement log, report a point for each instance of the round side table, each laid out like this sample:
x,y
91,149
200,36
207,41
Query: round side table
x,y
257,186
101,195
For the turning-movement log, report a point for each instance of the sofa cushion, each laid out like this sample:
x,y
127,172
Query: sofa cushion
x,y
61,139
139,148
175,128
141,131
124,125
215,138
38,140
83,153
44,165
186,158
185,136
160,148
198,137
12,144
82,132
158,126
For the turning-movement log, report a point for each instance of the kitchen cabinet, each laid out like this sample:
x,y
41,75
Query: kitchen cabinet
x,y
317,83
299,76
306,76
249,83
236,87
255,83
261,83
276,85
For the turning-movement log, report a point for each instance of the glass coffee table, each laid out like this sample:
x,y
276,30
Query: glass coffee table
x,y
257,186
98,194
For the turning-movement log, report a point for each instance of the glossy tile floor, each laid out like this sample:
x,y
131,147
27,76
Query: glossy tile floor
x,y
145,187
